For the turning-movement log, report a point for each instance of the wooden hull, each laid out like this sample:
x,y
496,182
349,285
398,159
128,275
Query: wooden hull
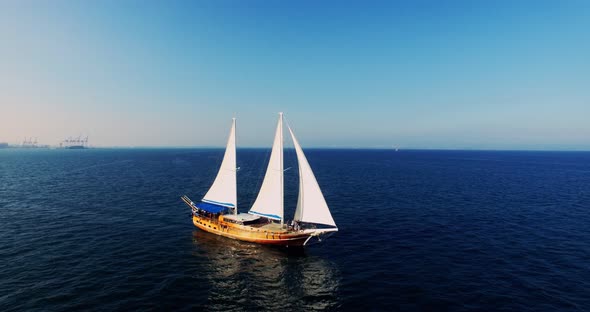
x,y
279,237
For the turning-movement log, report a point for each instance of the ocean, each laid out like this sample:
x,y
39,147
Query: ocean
x,y
105,230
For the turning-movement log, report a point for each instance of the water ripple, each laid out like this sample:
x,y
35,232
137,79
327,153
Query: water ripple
x,y
419,230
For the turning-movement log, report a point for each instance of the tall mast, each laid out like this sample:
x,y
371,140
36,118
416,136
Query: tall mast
x,y
282,170
235,165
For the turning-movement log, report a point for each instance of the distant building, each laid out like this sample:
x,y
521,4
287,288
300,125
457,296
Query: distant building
x,y
29,143
3,145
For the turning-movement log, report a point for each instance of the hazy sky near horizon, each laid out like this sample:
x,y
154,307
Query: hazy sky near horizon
x,y
413,74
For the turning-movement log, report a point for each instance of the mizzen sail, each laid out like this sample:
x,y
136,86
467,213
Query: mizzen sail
x,y
223,192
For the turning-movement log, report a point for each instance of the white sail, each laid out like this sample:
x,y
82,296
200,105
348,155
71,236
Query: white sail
x,y
269,202
224,189
311,205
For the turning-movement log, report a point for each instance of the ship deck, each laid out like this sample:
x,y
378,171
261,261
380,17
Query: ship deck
x,y
275,227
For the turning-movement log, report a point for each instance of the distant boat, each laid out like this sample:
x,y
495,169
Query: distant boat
x,y
74,143
264,223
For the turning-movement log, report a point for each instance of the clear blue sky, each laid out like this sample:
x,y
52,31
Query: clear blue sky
x,y
413,74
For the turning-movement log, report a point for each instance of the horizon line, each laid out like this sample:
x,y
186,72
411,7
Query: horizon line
x,y
397,149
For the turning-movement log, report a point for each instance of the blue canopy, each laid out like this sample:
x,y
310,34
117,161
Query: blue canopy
x,y
212,208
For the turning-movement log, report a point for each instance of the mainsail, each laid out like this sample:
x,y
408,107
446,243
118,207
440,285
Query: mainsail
x,y
269,202
223,192
311,205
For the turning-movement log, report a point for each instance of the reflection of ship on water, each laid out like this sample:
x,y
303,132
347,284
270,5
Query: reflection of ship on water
x,y
74,143
271,278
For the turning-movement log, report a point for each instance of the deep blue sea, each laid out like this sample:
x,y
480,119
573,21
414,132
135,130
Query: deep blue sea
x,y
105,230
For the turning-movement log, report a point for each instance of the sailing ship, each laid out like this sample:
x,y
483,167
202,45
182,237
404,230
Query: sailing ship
x,y
75,143
264,223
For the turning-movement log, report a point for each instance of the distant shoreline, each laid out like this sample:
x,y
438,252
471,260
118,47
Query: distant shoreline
x,y
11,147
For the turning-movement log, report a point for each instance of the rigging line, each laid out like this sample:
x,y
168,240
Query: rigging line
x,y
290,152
261,173
292,180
